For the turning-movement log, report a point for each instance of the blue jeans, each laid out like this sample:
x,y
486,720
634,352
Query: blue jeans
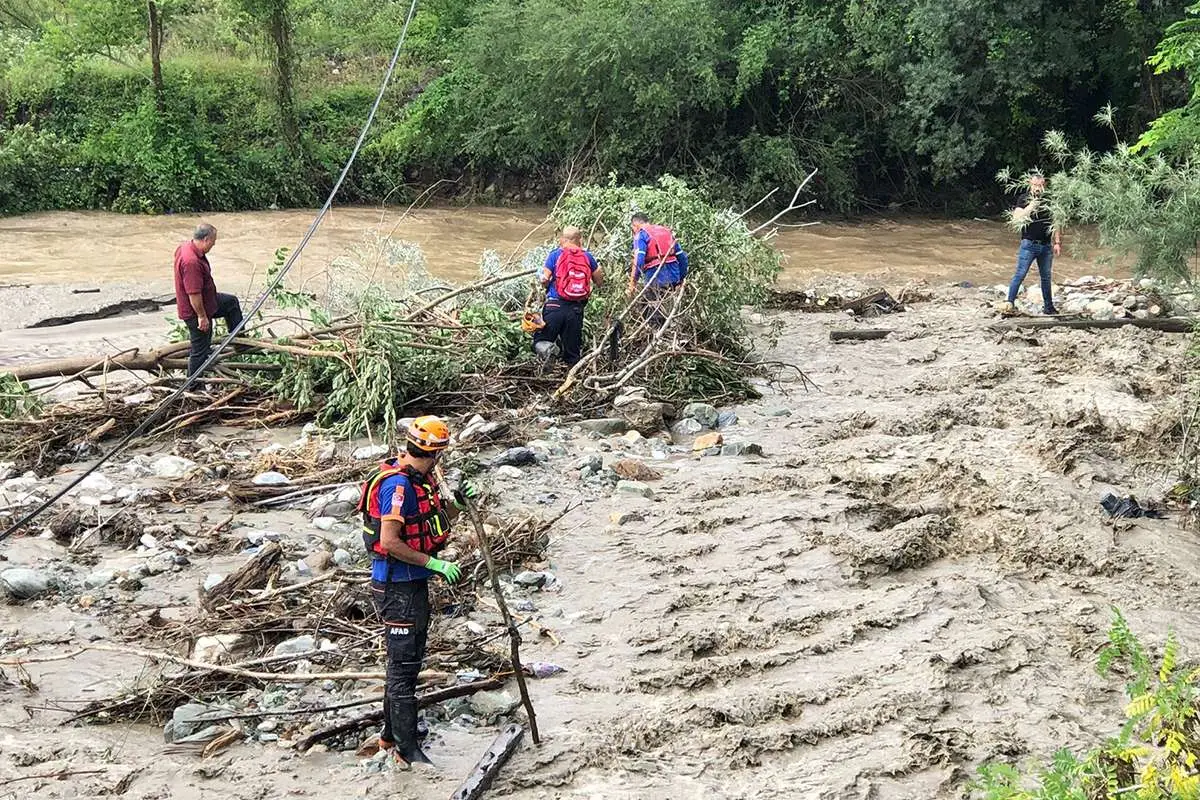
x,y
1044,254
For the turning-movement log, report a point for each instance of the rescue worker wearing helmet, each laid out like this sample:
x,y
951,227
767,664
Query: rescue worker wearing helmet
x,y
569,274
406,522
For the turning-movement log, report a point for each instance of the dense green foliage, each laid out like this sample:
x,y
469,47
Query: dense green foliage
x,y
904,101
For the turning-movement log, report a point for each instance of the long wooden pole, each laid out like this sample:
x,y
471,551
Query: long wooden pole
x,y
514,634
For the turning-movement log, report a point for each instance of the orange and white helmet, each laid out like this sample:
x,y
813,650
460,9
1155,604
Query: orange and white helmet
x,y
429,433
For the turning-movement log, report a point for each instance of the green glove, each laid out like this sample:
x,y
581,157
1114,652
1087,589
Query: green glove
x,y
447,569
465,491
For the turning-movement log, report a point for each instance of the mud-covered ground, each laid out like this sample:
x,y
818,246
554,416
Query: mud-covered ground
x,y
913,580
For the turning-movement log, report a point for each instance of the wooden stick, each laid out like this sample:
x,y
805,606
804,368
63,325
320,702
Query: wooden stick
x,y
514,634
62,774
858,334
1164,324
266,677
485,772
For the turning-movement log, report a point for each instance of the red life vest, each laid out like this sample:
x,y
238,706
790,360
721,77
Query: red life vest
x,y
426,532
573,274
660,249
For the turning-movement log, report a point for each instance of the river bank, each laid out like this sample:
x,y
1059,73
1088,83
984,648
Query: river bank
x,y
911,580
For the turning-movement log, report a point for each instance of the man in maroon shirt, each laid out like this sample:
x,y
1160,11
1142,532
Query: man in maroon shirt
x,y
196,296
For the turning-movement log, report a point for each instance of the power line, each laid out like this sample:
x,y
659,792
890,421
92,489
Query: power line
x,y
254,309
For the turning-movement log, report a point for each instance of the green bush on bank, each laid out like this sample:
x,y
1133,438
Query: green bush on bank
x,y
94,139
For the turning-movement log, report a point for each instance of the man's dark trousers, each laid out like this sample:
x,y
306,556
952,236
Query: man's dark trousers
x,y
564,324
229,309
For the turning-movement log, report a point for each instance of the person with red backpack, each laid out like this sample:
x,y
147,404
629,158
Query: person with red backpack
x,y
569,275
405,524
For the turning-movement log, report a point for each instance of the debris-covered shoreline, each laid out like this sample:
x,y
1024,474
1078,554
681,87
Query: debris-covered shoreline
x,y
864,588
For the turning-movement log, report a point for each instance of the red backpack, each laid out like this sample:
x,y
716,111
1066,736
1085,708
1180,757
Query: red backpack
x,y
573,274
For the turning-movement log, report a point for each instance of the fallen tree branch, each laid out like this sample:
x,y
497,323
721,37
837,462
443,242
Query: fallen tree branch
x,y
1164,324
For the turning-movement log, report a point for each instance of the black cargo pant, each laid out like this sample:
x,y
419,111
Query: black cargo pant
x,y
564,325
229,309
404,608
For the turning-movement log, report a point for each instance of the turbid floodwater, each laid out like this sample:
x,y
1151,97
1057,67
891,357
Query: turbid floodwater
x,y
78,247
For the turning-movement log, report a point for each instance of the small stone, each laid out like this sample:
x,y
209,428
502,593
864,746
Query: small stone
x,y
605,427
267,738
635,488
325,523
22,583
267,726
1146,284
706,441
215,649
319,561
741,449
1141,313
212,581
99,579
529,578
172,466
625,517
512,473
515,457
726,419
271,478
685,428
342,558
96,483
370,452
633,437
148,541
1100,310
1155,311
703,413
490,705
475,628
592,464
634,470
296,645
338,509
1131,302
189,719
778,412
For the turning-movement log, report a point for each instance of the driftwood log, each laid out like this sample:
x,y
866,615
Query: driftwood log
x,y
858,334
485,772
254,574
1164,324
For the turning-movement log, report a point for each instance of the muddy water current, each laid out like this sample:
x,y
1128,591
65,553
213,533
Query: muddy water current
x,y
100,247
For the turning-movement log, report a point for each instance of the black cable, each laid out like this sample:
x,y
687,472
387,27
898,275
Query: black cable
x,y
254,309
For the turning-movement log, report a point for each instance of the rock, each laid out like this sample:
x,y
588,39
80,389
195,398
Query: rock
x,y
148,541
635,488
1131,302
726,419
703,413
633,437
1146,284
22,583
634,470
1075,304
1100,309
490,705
212,581
1141,313
324,523
190,719
97,483
741,449
348,494
511,473
370,452
515,457
706,441
295,645
778,412
592,463
685,428
631,396
644,416
607,426
319,561
338,509
625,517
267,726
99,579
342,558
530,578
271,478
8,469
172,466
1155,311
215,649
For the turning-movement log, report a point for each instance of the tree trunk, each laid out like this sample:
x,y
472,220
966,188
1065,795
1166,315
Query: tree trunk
x,y
279,28
156,38
1164,324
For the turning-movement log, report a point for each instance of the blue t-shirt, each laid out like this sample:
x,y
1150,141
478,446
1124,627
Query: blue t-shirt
x,y
551,263
668,274
395,501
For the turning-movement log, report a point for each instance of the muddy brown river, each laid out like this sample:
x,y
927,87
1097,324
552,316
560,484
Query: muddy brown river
x,y
71,247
